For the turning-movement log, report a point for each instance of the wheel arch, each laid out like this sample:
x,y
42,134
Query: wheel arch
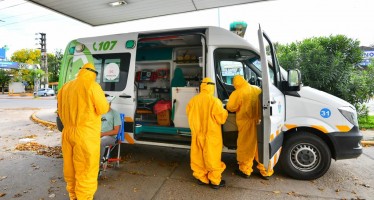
x,y
324,137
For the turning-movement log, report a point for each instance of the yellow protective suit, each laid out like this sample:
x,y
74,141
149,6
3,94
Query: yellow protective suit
x,y
205,116
245,102
81,102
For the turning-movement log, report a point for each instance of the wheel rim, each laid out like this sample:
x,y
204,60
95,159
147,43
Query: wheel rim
x,y
305,157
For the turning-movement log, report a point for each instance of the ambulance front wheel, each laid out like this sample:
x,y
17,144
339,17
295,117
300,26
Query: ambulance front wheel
x,y
305,156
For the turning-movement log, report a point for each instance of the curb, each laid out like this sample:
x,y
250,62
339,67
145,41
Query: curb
x,y
42,122
21,94
368,143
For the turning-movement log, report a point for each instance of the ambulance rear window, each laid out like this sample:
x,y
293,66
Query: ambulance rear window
x,y
113,70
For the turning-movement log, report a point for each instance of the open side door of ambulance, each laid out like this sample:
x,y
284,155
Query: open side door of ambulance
x,y
269,134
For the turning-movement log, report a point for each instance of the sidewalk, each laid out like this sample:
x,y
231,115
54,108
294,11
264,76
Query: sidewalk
x,y
16,96
45,116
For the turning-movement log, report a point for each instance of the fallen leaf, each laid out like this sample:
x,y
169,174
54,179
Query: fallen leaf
x,y
276,192
17,195
40,149
136,173
265,182
365,185
2,194
30,136
2,177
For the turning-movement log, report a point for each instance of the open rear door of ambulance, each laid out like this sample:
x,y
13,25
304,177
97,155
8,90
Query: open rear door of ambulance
x,y
269,134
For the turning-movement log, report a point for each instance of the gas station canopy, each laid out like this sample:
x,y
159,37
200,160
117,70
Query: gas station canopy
x,y
99,12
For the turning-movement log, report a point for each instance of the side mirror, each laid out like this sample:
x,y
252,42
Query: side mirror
x,y
293,80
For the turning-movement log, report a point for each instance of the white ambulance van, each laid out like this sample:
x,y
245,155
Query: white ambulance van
x,y
154,74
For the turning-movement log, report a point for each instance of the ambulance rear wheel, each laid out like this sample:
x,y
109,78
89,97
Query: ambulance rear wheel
x,y
305,156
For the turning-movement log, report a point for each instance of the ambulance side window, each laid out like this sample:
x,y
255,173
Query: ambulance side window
x,y
257,64
229,69
230,62
113,70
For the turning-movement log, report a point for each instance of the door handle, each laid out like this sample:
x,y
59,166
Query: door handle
x,y
125,96
273,102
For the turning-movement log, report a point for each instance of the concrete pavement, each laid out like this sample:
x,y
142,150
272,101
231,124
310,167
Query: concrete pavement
x,y
149,172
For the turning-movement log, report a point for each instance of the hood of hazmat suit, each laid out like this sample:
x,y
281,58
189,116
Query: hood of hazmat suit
x,y
81,102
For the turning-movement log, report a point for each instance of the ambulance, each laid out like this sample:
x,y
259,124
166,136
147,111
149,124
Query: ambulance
x,y
154,74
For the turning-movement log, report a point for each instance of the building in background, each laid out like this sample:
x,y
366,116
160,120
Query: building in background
x,y
367,57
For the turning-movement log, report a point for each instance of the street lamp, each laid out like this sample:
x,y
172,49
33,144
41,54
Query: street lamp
x,y
42,40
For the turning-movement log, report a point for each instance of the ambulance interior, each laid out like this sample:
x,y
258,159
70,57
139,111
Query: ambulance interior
x,y
169,68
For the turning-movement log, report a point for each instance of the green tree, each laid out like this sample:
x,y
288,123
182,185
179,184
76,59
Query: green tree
x,y
34,76
329,64
22,75
54,62
32,57
4,79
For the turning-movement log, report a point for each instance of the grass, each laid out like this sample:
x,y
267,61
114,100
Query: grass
x,y
366,122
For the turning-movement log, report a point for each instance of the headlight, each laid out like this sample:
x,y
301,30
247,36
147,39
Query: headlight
x,y
350,114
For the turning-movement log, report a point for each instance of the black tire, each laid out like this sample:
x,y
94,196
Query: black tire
x,y
305,156
45,94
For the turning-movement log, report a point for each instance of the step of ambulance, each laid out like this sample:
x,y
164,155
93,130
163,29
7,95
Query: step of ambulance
x,y
170,139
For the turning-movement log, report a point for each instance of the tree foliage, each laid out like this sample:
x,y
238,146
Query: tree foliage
x,y
28,56
54,63
32,57
4,79
330,64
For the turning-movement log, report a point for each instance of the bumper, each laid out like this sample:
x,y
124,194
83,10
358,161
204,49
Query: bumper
x,y
347,145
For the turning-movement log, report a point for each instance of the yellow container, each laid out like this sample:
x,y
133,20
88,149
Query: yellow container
x,y
163,118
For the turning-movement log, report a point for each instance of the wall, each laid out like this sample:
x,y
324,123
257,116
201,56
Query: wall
x,y
16,87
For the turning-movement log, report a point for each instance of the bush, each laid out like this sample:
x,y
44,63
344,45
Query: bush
x,y
330,64
366,122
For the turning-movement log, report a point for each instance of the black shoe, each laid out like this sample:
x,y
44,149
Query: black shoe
x,y
263,177
221,184
240,173
201,183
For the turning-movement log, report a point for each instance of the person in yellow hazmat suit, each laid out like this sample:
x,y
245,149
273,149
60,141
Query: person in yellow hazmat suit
x,y
245,102
205,117
81,102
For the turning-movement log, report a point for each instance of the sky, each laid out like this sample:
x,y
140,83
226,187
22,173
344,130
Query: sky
x,y
285,21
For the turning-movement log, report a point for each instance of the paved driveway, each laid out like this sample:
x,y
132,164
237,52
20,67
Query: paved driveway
x,y
149,172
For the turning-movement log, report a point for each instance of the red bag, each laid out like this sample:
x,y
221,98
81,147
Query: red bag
x,y
162,105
